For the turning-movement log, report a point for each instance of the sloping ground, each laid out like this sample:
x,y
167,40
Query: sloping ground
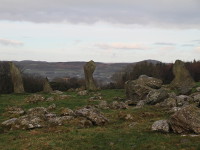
x,y
118,134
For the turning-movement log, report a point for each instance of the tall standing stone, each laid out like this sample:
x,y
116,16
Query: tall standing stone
x,y
89,69
183,80
16,79
46,86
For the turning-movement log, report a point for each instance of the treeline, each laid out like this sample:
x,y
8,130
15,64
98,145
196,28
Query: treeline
x,y
63,84
34,83
6,85
158,70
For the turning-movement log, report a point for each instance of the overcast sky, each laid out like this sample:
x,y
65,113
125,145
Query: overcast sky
x,y
101,30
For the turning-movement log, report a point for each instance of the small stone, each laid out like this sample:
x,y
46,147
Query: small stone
x,y
50,99
118,105
15,110
95,98
141,103
57,92
35,98
52,107
103,105
183,100
67,112
85,123
9,123
169,103
83,93
133,124
198,89
175,109
161,126
37,111
93,115
197,98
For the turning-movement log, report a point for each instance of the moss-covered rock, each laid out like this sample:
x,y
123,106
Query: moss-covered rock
x,y
16,79
183,80
89,69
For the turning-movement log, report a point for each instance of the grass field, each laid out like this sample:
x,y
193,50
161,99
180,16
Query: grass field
x,y
116,135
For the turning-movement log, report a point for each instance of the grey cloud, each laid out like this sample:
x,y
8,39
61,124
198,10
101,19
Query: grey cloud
x,y
165,44
7,42
196,41
152,12
188,45
125,46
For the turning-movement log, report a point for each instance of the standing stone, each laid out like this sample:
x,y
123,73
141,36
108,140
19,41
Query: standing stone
x,y
183,80
89,80
46,86
16,79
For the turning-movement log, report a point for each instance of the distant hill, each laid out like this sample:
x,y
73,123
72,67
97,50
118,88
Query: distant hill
x,y
103,71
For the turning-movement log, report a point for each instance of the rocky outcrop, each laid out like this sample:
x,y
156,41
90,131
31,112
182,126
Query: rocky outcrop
x,y
37,117
89,69
186,120
183,80
93,115
46,86
136,92
16,79
139,89
161,126
118,105
35,98
15,110
103,105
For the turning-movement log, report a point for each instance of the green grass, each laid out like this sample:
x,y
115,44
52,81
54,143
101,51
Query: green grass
x,y
116,135
194,88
